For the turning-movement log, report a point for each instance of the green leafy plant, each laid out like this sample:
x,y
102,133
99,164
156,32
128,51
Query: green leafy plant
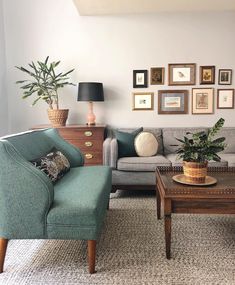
x,y
200,146
44,83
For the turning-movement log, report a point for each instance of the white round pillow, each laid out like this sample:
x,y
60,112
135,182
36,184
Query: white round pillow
x,y
146,144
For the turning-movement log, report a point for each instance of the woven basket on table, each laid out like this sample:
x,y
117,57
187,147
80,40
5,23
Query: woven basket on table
x,y
195,172
58,118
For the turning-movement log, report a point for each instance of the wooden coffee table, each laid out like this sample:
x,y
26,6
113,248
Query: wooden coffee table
x,y
179,198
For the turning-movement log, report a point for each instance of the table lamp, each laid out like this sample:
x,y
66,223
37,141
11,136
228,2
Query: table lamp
x,y
90,92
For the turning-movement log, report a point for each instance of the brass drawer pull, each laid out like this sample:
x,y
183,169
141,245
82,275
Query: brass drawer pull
x,y
88,156
88,133
89,144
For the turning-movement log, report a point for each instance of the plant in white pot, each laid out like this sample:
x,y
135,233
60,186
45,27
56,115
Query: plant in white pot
x,y
44,84
197,149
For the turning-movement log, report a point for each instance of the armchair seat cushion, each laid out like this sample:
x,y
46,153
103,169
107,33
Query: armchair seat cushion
x,y
80,203
142,163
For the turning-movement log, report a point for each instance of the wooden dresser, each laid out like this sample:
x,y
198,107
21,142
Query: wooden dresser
x,y
89,139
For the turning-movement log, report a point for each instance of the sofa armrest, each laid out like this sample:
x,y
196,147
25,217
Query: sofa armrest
x,y
110,152
113,153
26,195
74,155
106,151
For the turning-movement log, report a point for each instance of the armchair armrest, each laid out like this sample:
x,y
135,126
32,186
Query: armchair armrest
x,y
26,195
110,152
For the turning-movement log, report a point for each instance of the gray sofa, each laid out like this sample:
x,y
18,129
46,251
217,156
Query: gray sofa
x,y
139,172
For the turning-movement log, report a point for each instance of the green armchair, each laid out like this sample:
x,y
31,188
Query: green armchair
x,y
31,207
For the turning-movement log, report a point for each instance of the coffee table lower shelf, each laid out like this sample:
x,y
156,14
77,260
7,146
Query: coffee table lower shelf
x,y
178,198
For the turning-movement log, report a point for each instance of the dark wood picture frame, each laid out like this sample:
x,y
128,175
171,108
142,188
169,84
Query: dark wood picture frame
x,y
181,74
225,98
140,106
172,102
202,101
157,75
225,76
207,74
140,78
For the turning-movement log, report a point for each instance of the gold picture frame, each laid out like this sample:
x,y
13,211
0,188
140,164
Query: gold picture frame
x,y
202,101
143,101
181,74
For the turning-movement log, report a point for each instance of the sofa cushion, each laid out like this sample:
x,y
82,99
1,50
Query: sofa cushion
x,y
142,163
229,134
229,157
169,135
146,144
125,141
54,164
178,162
80,202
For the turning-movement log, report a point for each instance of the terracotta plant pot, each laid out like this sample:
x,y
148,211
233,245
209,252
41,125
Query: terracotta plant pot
x,y
58,117
195,172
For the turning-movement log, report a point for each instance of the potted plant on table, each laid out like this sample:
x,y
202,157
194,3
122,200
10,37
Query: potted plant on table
x,y
44,84
199,148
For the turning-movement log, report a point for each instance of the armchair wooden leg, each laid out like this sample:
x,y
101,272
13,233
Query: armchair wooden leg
x,y
3,249
91,255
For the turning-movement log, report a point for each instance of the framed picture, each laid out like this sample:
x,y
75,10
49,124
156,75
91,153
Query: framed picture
x,y
225,99
173,101
202,101
140,78
157,75
182,74
225,77
143,101
207,74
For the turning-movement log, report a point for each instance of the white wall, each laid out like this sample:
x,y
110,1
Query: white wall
x,y
107,49
3,94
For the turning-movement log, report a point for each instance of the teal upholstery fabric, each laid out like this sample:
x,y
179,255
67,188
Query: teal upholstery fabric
x,y
34,144
125,141
80,203
26,195
32,208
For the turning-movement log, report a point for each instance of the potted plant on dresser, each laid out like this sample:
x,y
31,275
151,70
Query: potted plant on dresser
x,y
44,85
199,148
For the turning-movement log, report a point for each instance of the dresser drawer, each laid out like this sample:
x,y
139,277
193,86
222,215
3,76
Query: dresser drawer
x,y
92,158
92,134
86,145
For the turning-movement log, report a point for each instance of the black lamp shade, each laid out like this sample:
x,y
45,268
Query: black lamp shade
x,y
90,91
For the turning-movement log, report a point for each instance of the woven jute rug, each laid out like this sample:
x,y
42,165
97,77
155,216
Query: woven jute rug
x,y
131,250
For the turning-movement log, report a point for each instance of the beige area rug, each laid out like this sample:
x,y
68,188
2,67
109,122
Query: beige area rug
x,y
131,250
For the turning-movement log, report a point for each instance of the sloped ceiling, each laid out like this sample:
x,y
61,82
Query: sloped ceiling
x,y
113,7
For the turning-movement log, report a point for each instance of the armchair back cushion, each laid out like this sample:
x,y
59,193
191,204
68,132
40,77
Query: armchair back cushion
x,y
34,144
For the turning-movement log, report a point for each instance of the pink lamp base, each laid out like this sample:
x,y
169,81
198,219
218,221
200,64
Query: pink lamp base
x,y
91,116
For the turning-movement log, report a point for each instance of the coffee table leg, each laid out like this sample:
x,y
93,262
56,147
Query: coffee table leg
x,y
158,204
168,235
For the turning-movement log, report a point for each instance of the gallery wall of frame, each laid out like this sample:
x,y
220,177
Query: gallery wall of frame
x,y
204,99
